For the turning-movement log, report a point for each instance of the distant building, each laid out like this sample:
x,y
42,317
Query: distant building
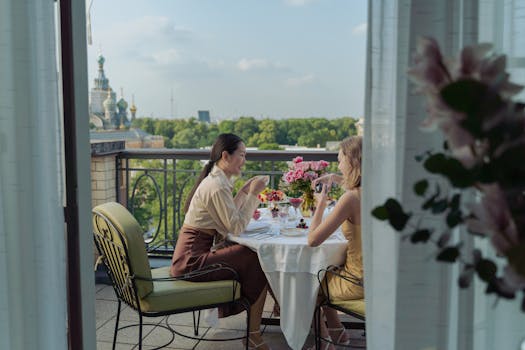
x,y
332,145
105,112
134,138
204,116
360,125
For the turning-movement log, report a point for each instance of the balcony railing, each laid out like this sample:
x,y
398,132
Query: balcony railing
x,y
154,184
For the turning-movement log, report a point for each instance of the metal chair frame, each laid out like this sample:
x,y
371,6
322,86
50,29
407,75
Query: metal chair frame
x,y
115,254
347,276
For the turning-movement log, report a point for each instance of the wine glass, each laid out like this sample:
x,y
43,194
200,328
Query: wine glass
x,y
296,203
283,213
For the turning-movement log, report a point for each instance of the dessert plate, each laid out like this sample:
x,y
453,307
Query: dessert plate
x,y
293,231
258,226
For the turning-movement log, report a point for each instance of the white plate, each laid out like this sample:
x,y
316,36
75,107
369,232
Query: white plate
x,y
293,231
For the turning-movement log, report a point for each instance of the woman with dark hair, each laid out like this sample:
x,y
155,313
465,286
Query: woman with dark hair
x,y
211,213
347,214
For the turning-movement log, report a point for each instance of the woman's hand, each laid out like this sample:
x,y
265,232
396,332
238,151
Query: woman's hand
x,y
258,183
322,197
246,187
326,179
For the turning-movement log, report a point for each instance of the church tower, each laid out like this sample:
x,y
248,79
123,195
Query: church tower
x,y
133,108
100,90
110,107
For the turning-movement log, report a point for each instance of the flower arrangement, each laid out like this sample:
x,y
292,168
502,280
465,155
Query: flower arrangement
x,y
483,159
271,195
298,179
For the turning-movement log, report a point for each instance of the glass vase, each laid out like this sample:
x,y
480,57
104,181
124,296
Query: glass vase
x,y
308,205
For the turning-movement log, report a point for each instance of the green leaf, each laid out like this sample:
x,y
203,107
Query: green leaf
x,y
464,95
396,216
430,202
454,202
502,289
420,187
449,254
439,206
486,269
454,218
380,213
420,236
435,163
451,168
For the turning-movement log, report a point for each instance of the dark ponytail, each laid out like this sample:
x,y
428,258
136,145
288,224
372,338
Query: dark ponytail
x,y
224,142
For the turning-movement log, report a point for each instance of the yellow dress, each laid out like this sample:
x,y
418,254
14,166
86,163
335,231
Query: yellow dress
x,y
341,289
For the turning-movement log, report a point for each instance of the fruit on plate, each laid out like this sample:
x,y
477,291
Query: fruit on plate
x,y
302,224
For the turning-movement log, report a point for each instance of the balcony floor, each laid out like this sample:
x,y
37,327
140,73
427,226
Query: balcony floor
x,y
106,306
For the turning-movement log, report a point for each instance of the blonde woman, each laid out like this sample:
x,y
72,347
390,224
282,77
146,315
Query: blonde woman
x,y
347,214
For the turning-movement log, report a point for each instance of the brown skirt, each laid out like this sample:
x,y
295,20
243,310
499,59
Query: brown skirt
x,y
193,251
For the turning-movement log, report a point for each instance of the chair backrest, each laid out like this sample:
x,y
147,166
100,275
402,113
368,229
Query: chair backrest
x,y
118,237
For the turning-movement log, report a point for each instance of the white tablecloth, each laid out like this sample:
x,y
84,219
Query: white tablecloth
x,y
291,268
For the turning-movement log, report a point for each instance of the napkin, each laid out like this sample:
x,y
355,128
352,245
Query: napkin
x,y
255,226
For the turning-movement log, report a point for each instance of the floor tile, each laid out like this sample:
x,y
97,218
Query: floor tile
x,y
109,346
222,345
106,293
160,336
153,336
127,336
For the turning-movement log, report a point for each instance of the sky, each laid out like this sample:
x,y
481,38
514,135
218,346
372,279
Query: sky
x,y
261,58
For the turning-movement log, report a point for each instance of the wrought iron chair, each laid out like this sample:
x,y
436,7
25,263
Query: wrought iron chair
x,y
354,308
152,292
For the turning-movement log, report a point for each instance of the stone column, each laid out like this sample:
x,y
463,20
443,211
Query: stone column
x,y
104,173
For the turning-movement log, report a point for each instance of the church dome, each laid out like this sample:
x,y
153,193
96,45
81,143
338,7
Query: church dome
x,y
101,60
122,104
133,108
109,103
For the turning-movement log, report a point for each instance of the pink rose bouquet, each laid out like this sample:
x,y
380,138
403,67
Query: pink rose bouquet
x,y
298,179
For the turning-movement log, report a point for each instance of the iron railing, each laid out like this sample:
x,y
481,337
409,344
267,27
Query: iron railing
x,y
154,183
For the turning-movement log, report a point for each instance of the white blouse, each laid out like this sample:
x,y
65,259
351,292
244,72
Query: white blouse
x,y
213,206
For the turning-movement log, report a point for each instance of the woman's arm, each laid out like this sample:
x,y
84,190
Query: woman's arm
x,y
328,179
344,209
235,217
261,180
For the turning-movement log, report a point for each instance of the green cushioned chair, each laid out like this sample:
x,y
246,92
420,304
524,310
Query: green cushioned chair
x,y
153,292
354,308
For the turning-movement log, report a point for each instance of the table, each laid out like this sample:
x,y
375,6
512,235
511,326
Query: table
x,y
291,268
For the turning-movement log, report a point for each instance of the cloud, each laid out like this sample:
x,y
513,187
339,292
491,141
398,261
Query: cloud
x,y
246,64
300,81
147,32
298,2
166,57
360,29
257,64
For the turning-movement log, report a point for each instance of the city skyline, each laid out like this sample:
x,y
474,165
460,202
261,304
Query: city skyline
x,y
271,59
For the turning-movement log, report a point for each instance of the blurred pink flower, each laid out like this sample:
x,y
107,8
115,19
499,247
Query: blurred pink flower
x,y
492,217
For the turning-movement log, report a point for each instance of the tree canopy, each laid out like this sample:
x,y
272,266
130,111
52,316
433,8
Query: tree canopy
x,y
264,133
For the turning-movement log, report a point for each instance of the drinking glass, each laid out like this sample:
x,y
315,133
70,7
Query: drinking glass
x,y
283,214
296,203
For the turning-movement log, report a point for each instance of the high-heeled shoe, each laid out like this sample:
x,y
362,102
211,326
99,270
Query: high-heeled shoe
x,y
340,335
326,344
253,345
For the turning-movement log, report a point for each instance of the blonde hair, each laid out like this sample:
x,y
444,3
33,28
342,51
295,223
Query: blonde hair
x,y
352,149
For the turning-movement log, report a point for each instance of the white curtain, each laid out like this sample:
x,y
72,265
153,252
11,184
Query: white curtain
x,y
413,302
33,300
